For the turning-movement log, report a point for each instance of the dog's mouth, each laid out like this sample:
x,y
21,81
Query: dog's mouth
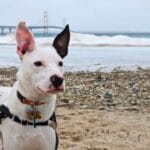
x,y
54,91
50,90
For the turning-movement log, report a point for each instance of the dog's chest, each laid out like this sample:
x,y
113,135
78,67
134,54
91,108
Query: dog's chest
x,y
27,137
34,142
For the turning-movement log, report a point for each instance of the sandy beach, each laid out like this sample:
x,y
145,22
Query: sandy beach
x,y
101,111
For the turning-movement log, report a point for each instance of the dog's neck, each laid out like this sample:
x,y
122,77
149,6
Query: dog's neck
x,y
20,109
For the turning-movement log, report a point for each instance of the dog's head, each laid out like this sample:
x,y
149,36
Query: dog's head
x,y
42,68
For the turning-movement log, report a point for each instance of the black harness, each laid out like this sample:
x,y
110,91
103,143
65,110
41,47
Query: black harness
x,y
5,113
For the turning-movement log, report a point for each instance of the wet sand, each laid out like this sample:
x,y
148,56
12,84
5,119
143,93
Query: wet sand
x,y
101,111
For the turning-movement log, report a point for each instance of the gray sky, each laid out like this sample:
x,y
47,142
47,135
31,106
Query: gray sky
x,y
93,15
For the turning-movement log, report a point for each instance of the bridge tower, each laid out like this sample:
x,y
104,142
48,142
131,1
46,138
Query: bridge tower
x,y
64,22
45,22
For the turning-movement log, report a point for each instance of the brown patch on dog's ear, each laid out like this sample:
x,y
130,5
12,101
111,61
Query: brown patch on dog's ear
x,y
25,39
61,42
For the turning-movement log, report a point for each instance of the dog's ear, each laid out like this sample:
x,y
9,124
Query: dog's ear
x,y
25,39
61,42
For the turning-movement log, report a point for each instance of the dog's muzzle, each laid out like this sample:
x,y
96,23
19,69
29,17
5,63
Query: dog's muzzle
x,y
56,81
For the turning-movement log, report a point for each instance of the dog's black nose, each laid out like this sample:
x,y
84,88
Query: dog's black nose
x,y
56,81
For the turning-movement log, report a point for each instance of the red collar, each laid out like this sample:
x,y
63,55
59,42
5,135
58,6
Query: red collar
x,y
33,103
26,101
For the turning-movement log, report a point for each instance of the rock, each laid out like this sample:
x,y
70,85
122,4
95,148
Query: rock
x,y
108,97
135,90
84,107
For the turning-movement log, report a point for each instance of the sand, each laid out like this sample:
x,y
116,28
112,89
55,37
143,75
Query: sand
x,y
101,111
87,129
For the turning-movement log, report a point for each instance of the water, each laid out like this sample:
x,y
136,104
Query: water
x,y
90,58
129,34
91,51
108,58
78,39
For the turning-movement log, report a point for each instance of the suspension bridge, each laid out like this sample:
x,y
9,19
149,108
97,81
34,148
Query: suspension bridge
x,y
10,29
44,28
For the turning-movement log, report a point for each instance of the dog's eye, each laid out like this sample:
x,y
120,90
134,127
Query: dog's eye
x,y
38,63
60,63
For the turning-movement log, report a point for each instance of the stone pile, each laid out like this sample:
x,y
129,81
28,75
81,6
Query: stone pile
x,y
123,90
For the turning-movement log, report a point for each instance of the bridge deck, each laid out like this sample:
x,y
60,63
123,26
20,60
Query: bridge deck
x,y
32,27
45,28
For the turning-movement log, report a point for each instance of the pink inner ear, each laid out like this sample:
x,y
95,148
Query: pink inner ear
x,y
25,39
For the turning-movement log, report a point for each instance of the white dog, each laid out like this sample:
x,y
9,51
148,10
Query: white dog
x,y
27,112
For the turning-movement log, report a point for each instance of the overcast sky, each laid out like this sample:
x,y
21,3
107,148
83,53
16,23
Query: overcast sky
x,y
93,15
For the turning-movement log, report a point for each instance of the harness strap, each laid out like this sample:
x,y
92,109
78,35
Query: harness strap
x,y
5,113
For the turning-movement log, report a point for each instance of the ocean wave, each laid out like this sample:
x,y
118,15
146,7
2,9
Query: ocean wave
x,y
78,39
118,40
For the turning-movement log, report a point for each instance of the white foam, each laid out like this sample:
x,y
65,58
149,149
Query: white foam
x,y
78,39
118,40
